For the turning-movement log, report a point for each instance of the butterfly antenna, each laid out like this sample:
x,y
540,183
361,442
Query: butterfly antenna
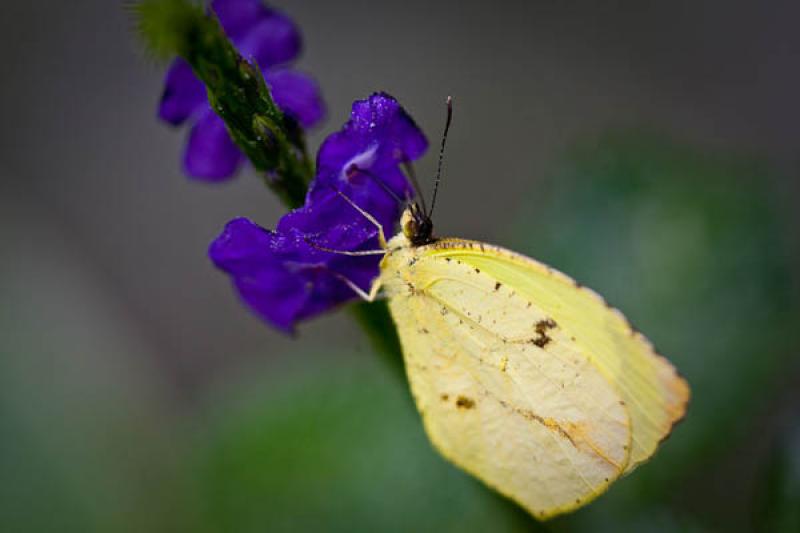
x,y
380,182
409,168
441,153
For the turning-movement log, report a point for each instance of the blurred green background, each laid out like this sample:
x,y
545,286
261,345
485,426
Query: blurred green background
x,y
648,151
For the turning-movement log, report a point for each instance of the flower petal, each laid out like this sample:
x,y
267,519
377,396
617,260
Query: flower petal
x,y
287,275
329,221
246,252
297,94
363,159
183,94
379,135
273,40
278,296
210,153
382,116
238,17
365,192
243,248
279,276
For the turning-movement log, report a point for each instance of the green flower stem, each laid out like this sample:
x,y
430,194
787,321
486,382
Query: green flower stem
x,y
236,91
375,319
238,94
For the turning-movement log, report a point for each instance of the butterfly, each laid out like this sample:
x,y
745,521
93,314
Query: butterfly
x,y
523,378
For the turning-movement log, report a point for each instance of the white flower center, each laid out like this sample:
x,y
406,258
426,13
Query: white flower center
x,y
362,160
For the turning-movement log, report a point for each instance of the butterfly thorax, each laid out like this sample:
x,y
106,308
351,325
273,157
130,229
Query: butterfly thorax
x,y
398,266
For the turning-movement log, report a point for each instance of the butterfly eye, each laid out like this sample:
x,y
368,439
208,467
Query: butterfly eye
x,y
410,228
424,230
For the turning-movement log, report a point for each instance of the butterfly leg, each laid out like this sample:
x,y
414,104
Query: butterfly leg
x,y
370,296
342,252
381,235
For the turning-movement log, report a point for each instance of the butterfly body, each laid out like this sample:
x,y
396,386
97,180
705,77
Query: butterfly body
x,y
523,378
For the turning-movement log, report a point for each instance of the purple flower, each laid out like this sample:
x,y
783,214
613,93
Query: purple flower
x,y
363,159
271,40
283,275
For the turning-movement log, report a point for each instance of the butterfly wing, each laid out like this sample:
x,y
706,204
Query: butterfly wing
x,y
503,389
655,395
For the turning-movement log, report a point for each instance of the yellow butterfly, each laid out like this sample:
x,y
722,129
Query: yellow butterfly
x,y
523,378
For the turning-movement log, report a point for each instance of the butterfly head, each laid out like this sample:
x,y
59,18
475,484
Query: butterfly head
x,y
416,225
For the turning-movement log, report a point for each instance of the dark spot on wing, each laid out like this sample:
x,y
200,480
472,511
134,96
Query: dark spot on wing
x,y
444,397
542,340
478,270
463,402
544,325
541,327
443,311
497,286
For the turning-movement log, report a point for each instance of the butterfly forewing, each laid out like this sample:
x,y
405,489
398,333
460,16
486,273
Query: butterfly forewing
x,y
504,391
654,394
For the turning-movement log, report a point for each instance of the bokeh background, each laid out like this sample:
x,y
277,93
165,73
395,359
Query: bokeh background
x,y
648,149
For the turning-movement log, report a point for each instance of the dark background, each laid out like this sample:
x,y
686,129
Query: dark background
x,y
117,336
